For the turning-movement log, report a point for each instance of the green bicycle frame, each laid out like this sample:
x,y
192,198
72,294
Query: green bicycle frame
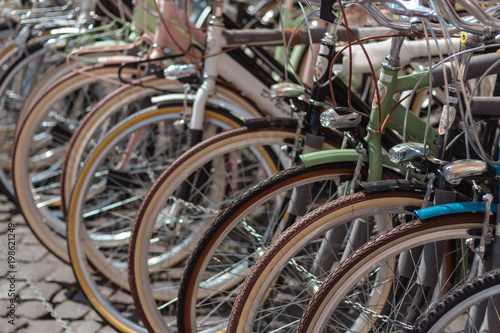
x,y
388,84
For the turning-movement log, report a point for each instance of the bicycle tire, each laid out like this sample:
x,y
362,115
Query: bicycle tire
x,y
455,312
270,133
294,244
246,222
40,119
409,239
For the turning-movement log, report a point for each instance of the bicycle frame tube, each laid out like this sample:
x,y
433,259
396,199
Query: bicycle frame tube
x,y
389,84
229,69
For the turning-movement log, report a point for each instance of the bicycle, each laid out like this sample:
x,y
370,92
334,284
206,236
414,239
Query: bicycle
x,y
77,210
270,263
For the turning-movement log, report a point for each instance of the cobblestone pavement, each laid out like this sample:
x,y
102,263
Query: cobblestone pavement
x,y
54,279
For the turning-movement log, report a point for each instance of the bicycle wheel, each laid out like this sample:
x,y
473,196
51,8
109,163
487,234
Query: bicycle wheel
x,y
187,198
105,201
474,307
388,283
230,247
39,147
289,272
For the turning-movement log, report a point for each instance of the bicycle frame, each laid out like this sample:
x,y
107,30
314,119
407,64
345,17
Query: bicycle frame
x,y
389,83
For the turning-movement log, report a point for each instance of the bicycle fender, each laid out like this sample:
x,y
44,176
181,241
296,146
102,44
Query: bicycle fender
x,y
453,208
330,156
271,122
393,185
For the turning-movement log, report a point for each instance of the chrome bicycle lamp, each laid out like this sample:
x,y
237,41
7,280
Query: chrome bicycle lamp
x,y
281,90
405,152
176,72
456,171
332,119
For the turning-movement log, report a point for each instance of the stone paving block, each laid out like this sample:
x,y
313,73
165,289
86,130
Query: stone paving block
x,y
21,224
72,310
37,271
4,216
84,326
18,219
4,308
30,253
37,326
106,291
6,287
52,259
7,206
94,316
30,239
62,296
4,268
121,297
48,290
3,231
62,274
18,325
32,310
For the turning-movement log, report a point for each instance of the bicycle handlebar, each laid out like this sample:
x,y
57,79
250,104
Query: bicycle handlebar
x,y
479,21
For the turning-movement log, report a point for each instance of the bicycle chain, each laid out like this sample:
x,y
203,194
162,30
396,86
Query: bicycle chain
x,y
355,305
195,208
252,231
371,313
302,269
